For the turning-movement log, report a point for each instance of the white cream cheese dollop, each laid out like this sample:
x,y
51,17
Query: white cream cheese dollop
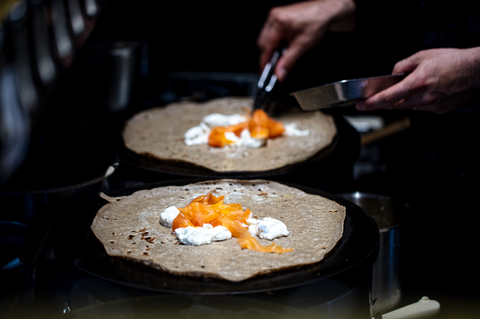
x,y
168,215
197,135
217,119
267,228
292,130
245,139
194,235
197,236
252,225
271,228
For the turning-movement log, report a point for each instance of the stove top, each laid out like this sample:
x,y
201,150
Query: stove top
x,y
438,247
63,278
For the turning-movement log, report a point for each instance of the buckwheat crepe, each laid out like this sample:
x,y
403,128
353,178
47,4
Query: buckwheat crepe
x,y
129,228
159,133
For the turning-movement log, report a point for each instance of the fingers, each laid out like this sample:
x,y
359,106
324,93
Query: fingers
x,y
269,38
398,96
432,85
409,64
299,44
267,42
404,66
287,61
293,25
284,65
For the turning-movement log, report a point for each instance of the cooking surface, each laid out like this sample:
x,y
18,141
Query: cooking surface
x,y
342,149
434,262
71,275
439,258
357,246
438,246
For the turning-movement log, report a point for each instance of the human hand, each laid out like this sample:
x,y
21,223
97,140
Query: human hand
x,y
439,81
302,25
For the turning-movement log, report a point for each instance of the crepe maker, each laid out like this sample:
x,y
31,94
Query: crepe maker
x,y
330,163
355,253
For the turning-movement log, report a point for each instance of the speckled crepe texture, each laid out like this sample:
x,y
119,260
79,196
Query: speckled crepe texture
x,y
159,133
130,228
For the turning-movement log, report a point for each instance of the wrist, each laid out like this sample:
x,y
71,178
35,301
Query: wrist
x,y
473,58
342,15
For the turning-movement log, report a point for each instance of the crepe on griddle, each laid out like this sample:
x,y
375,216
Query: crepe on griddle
x,y
159,133
130,228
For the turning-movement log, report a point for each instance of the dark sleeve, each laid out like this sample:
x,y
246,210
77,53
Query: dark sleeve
x,y
453,24
387,32
391,30
423,24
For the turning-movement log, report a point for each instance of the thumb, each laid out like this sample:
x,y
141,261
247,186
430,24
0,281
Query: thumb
x,y
404,66
287,61
409,64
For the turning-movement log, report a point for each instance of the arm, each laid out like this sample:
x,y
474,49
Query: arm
x,y
302,25
439,81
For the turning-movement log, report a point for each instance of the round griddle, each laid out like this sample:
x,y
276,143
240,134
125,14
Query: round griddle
x,y
357,248
344,148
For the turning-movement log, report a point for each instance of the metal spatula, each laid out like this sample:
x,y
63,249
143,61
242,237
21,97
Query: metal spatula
x,y
344,93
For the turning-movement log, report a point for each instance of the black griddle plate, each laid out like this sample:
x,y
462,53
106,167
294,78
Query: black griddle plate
x,y
357,248
345,148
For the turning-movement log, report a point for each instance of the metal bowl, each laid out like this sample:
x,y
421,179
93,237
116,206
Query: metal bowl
x,y
390,215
